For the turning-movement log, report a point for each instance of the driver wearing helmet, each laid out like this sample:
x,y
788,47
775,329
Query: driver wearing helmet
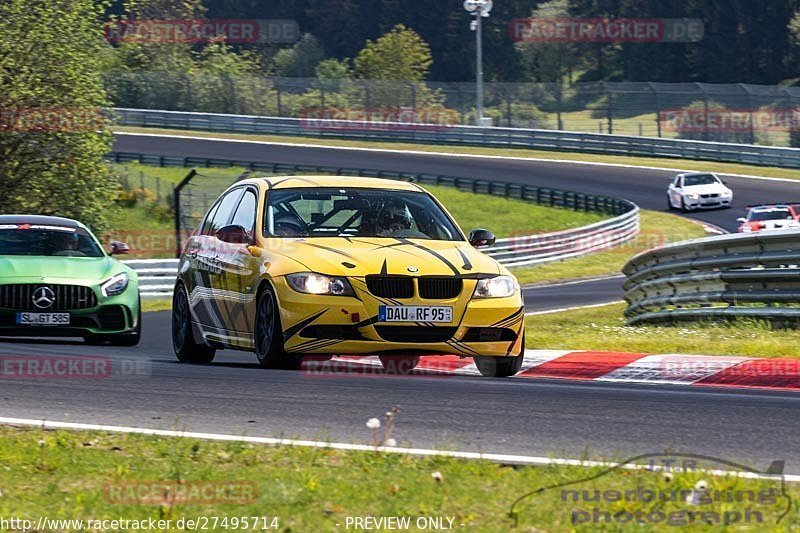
x,y
394,219
66,244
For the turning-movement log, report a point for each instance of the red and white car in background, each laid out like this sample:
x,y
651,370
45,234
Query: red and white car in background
x,y
769,217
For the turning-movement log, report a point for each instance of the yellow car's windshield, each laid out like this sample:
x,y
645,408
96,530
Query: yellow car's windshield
x,y
323,212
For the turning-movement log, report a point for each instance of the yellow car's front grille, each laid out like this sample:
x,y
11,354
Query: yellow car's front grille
x,y
439,288
430,287
391,286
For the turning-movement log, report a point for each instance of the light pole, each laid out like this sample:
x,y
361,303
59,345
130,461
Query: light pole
x,y
480,9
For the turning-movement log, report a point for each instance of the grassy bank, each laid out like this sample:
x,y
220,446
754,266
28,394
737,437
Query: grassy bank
x,y
682,164
82,475
604,328
657,229
469,209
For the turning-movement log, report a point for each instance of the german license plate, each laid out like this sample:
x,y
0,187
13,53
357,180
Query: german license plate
x,y
43,319
413,313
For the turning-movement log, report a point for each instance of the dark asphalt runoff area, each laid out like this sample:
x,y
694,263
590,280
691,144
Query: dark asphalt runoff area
x,y
511,416
552,296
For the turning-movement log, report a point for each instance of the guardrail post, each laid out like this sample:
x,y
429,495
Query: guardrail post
x,y
177,205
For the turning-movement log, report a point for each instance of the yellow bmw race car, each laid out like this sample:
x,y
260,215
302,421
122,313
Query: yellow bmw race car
x,y
315,266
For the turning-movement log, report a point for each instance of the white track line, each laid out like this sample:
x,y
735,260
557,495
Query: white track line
x,y
448,154
572,282
419,452
561,310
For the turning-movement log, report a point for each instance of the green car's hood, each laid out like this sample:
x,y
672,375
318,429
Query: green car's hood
x,y
89,270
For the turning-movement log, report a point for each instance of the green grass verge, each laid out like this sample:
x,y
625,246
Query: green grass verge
x,y
657,229
604,328
83,475
151,305
514,217
683,164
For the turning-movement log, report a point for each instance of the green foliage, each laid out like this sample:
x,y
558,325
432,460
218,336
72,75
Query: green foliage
x,y
547,62
401,54
395,65
212,77
50,60
301,60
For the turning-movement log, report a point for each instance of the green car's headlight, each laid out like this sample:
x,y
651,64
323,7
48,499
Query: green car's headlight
x,y
312,283
116,285
497,287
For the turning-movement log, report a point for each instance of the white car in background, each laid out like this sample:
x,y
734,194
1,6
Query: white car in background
x,y
769,217
698,190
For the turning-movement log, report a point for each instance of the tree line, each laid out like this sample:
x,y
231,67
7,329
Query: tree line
x,y
745,41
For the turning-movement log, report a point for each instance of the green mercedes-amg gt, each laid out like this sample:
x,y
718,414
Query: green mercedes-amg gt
x,y
57,280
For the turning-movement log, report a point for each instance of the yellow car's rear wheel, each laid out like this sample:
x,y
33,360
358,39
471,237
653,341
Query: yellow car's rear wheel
x,y
186,349
269,335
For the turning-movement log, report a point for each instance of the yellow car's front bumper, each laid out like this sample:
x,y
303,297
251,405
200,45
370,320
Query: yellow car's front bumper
x,y
345,325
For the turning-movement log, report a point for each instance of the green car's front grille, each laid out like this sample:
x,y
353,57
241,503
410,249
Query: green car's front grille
x,y
20,297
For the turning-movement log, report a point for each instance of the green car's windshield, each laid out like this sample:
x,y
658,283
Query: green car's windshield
x,y
39,240
357,213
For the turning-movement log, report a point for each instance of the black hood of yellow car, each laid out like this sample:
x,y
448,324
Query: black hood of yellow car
x,y
361,256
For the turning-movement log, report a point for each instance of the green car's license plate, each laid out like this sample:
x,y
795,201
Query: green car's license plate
x,y
43,319
413,313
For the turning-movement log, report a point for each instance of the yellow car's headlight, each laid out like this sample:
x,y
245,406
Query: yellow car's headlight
x,y
497,287
313,283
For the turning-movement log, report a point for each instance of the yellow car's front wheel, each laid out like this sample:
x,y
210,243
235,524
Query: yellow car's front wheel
x,y
269,335
500,367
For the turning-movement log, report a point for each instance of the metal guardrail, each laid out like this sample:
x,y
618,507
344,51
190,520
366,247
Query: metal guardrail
x,y
465,135
741,275
511,252
156,276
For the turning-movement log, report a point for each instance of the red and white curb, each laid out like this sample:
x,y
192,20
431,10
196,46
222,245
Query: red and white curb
x,y
665,369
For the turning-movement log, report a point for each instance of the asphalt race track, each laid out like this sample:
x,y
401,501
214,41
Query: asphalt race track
x,y
647,188
531,416
554,296
538,417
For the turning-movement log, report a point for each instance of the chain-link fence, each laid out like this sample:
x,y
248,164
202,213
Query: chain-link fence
x,y
754,114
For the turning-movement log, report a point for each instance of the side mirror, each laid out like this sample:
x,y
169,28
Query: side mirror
x,y
481,238
741,220
119,248
233,234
